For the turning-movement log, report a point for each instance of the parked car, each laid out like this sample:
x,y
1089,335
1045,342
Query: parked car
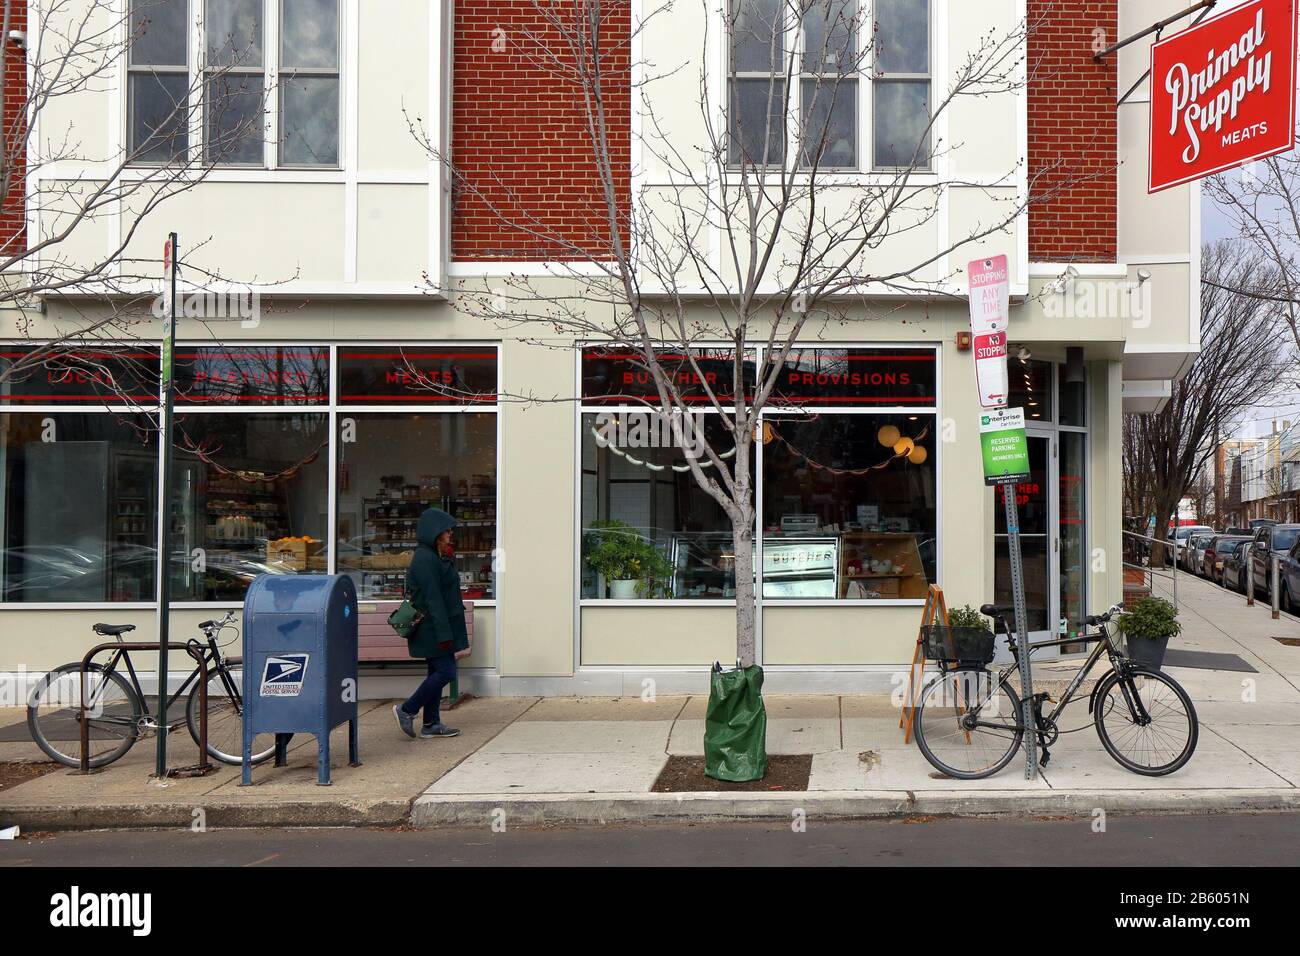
x,y
1197,545
1181,536
1222,545
1236,567
1270,539
1289,580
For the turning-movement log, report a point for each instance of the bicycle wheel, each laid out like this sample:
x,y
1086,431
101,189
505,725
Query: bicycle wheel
x,y
1159,746
944,731
114,713
226,720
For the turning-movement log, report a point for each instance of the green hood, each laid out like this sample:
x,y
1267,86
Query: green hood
x,y
433,522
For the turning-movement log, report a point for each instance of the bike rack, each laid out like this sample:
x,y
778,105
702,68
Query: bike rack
x,y
195,651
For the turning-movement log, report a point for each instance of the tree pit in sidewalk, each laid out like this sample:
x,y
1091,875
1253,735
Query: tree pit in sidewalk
x,y
785,772
15,772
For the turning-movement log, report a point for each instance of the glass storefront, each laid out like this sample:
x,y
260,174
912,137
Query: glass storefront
x,y
256,435
845,467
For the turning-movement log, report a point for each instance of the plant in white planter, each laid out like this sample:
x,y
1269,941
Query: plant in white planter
x,y
632,566
1148,625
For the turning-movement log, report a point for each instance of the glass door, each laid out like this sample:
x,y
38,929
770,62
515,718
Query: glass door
x,y
1038,543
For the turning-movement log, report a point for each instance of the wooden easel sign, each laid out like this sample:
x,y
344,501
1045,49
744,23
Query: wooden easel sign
x,y
935,611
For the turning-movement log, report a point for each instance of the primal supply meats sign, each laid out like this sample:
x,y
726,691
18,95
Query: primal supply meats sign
x,y
1223,93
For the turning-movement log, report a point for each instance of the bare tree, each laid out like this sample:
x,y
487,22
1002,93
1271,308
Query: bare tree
x,y
58,188
753,242
1237,368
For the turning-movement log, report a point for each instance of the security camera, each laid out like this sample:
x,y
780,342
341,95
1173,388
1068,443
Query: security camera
x,y
18,38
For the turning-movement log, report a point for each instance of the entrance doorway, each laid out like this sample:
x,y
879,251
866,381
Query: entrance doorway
x,y
1053,512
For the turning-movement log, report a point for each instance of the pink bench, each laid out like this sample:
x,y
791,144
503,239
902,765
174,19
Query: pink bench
x,y
376,641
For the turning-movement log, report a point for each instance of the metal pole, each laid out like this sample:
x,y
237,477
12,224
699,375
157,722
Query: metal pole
x,y
1022,628
1275,592
164,507
1175,569
1154,28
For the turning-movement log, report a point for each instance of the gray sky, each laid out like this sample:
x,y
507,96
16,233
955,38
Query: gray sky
x,y
1214,226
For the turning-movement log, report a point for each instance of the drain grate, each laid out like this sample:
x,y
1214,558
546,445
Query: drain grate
x,y
1288,641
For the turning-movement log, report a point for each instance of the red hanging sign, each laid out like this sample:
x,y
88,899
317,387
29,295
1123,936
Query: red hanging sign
x,y
1223,93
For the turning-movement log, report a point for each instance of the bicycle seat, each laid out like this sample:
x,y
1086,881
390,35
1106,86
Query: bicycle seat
x,y
996,610
113,630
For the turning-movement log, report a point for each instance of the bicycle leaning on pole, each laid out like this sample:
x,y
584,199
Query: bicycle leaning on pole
x,y
117,709
968,722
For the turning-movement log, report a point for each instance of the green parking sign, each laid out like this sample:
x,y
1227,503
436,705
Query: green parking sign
x,y
1003,443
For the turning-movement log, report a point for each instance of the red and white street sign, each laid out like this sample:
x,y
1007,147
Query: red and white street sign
x,y
1223,93
990,300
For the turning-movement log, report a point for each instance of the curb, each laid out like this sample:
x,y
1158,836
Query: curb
x,y
432,810
125,816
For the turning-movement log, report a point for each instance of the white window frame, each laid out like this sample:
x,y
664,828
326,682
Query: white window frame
x,y
927,78
582,409
864,102
331,409
197,69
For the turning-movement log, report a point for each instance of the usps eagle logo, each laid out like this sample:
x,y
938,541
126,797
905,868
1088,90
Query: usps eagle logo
x,y
283,675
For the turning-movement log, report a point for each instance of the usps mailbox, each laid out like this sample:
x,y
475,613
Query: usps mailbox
x,y
300,663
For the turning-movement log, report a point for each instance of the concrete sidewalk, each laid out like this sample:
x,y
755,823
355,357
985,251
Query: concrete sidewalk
x,y
595,760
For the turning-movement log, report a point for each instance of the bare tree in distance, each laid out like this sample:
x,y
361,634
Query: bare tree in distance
x,y
1237,368
754,240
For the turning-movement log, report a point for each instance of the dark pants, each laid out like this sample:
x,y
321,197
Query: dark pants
x,y
442,671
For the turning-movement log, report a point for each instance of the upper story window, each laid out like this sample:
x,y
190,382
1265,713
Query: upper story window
x,y
158,81
820,40
901,107
266,72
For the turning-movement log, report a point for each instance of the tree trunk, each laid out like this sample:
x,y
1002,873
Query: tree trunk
x,y
742,535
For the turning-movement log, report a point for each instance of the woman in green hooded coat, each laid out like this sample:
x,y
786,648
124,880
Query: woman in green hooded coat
x,y
433,586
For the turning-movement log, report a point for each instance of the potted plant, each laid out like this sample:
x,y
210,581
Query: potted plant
x,y
1147,626
633,566
966,641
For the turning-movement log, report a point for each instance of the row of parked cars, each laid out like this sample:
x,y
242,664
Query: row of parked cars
x,y
1239,559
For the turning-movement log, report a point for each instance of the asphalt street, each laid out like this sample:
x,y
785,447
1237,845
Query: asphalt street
x,y
1219,840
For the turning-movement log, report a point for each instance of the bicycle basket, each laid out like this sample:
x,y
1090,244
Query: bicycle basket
x,y
957,646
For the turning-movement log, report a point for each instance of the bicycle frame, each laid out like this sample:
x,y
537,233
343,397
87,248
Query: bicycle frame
x,y
212,659
1104,645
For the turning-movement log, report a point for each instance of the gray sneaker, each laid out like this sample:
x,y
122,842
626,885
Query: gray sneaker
x,y
437,730
404,720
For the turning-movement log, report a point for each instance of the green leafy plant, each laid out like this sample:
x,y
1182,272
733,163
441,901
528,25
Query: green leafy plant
x,y
968,617
620,553
1150,618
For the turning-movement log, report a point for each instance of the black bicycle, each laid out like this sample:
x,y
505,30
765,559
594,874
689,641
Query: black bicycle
x,y
118,711
969,723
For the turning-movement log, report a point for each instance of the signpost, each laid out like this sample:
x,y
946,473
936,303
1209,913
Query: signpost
x,y
164,492
1223,93
1005,451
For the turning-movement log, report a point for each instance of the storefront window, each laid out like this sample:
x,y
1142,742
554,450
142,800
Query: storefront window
x,y
620,377
250,497
394,465
849,506
1030,388
248,375
67,377
78,495
857,378
648,529
251,467
424,375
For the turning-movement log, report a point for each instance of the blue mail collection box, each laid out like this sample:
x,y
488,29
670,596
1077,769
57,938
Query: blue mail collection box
x,y
300,663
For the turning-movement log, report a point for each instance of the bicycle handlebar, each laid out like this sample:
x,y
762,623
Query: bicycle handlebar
x,y
216,625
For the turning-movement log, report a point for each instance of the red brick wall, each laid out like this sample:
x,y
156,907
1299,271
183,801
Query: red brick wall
x,y
520,139
1073,141
12,221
